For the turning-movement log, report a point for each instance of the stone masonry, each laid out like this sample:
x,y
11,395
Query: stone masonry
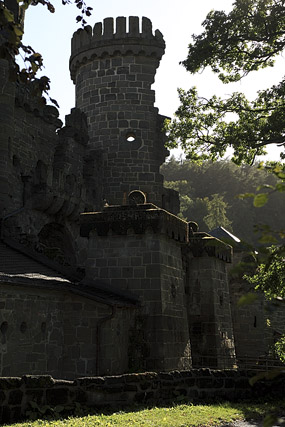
x,y
113,71
98,275
138,248
117,392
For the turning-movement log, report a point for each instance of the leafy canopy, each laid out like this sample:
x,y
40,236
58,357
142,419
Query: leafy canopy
x,y
12,14
234,44
270,275
246,39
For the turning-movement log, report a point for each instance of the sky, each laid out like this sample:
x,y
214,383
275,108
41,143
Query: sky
x,y
50,34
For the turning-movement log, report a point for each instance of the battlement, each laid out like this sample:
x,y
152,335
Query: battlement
x,y
112,37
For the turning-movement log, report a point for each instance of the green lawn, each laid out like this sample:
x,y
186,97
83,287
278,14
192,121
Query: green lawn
x,y
176,416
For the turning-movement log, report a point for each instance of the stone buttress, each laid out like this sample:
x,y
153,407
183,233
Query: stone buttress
x,y
208,301
179,277
137,248
113,70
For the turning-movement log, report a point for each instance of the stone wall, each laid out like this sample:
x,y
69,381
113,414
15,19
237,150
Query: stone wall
x,y
113,70
31,150
7,105
127,252
66,336
257,325
180,281
150,267
249,323
122,391
209,312
275,314
49,180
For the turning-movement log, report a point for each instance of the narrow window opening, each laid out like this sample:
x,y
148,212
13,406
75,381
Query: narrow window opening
x,y
4,327
23,327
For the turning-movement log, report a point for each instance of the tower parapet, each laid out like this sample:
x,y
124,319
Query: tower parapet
x,y
105,40
113,70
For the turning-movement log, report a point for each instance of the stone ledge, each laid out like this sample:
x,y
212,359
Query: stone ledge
x,y
150,219
138,219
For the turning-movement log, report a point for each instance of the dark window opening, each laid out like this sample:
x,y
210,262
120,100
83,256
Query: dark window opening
x,y
4,327
23,327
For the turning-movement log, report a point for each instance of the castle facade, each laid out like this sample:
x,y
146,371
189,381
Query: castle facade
x,y
98,274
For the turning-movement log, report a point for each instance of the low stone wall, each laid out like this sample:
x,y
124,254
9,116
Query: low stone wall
x,y
124,390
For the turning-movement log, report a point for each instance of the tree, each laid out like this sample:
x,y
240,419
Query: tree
x,y
233,45
12,14
197,185
246,39
216,217
270,275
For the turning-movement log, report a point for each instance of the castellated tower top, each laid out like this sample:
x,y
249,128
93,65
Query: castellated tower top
x,y
113,67
106,40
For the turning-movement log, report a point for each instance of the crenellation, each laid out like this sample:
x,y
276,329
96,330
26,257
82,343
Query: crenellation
x,y
147,27
97,31
121,25
105,42
134,30
108,28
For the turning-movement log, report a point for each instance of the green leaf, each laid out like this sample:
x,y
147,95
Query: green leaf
x,y
8,15
245,195
248,298
269,420
261,187
18,31
280,187
260,200
268,238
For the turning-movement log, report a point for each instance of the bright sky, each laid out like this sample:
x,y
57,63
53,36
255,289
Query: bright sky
x,y
50,34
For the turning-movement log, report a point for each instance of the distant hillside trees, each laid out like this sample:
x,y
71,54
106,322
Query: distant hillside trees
x,y
209,195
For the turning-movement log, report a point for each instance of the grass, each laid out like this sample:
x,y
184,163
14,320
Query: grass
x,y
186,415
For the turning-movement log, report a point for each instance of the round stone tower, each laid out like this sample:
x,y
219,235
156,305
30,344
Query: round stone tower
x,y
113,70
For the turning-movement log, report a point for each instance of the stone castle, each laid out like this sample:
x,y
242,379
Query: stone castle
x,y
98,274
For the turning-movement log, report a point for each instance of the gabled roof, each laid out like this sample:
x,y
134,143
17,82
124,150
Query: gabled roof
x,y
223,234
20,266
17,267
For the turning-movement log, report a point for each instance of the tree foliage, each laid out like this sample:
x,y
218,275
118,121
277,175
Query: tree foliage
x,y
280,349
12,14
270,274
217,208
247,39
198,185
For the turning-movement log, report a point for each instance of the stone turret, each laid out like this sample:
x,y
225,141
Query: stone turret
x,y
113,70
